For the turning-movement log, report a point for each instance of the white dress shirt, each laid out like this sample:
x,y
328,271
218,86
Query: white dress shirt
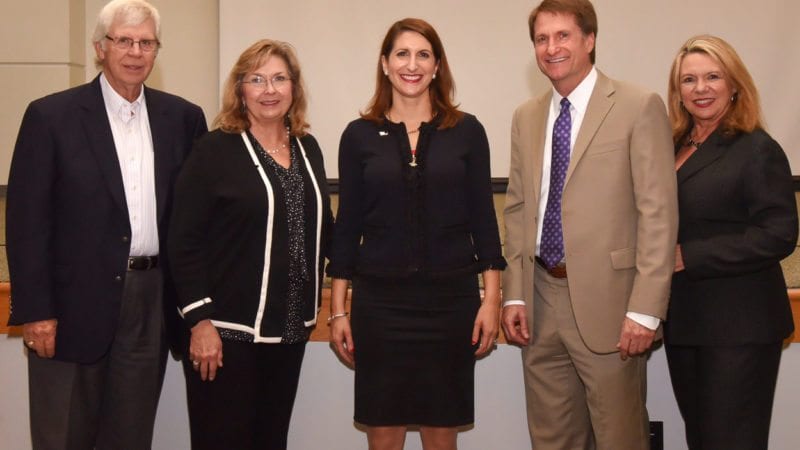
x,y
133,141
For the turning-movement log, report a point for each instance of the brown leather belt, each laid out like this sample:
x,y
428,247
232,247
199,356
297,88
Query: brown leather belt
x,y
559,271
142,262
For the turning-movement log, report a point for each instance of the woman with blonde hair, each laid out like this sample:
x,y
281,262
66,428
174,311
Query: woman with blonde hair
x,y
248,239
729,311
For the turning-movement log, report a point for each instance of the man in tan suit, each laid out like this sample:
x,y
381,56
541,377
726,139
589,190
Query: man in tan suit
x,y
591,223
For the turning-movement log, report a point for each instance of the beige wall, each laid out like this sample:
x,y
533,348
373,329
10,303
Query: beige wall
x,y
47,49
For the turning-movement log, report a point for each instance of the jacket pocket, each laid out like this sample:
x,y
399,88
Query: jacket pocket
x,y
624,258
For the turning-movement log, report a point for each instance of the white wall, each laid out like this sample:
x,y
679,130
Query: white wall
x,y
324,409
491,56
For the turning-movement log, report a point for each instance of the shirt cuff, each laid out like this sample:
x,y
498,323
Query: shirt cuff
x,y
513,303
650,322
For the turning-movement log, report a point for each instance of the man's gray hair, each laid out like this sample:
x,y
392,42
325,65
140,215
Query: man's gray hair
x,y
126,12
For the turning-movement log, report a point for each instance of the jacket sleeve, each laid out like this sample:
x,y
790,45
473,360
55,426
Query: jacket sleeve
x,y
29,220
655,190
349,217
770,231
482,217
514,220
188,237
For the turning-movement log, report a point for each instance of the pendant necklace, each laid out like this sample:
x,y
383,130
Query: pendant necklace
x,y
413,162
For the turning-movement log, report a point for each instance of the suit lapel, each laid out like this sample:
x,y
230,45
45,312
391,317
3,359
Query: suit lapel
x,y
158,116
708,152
600,103
537,133
101,141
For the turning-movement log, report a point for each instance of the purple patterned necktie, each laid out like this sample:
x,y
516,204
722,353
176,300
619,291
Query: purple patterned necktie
x,y
551,247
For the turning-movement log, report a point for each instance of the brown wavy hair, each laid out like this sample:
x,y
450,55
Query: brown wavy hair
x,y
744,114
441,90
232,117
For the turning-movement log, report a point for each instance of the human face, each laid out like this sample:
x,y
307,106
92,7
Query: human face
x,y
410,66
265,101
126,70
705,90
562,50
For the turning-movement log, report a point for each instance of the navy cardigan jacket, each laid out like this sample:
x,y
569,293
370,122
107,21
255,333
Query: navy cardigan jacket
x,y
395,220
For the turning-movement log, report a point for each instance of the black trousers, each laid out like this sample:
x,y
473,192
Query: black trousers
x,y
725,393
249,403
110,404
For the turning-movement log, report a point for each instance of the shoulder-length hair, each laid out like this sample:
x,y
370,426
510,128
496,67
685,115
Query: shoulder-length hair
x,y
232,117
441,90
744,114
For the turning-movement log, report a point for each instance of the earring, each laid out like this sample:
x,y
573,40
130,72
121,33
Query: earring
x,y
434,75
386,73
244,105
733,97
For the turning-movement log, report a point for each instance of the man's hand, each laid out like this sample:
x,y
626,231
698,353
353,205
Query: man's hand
x,y
634,339
41,337
515,324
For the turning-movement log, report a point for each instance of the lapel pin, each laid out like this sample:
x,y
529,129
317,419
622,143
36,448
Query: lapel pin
x,y
383,133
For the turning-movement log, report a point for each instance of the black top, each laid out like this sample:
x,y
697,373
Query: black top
x,y
738,219
230,237
434,219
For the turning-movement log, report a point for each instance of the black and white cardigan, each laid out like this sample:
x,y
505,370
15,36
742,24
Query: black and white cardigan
x,y
228,242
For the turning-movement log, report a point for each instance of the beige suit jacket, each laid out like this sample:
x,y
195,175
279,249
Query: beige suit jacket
x,y
619,209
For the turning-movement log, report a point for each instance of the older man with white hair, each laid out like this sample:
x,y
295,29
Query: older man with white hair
x,y
89,195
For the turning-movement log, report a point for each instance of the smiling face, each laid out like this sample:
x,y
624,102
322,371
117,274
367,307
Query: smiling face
x,y
268,100
562,50
705,90
410,65
126,70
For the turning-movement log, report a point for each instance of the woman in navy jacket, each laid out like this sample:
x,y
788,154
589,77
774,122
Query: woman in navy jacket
x,y
250,227
729,310
415,226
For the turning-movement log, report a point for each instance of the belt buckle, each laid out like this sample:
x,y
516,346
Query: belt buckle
x,y
149,262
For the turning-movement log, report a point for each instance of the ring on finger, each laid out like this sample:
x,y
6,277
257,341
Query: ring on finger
x,y
30,343
195,363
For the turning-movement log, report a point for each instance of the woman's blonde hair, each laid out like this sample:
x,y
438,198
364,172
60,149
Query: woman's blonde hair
x,y
744,114
232,117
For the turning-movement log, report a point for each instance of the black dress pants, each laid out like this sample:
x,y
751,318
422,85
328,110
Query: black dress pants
x,y
725,393
250,401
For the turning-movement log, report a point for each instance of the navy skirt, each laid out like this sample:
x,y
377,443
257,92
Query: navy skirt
x,y
414,358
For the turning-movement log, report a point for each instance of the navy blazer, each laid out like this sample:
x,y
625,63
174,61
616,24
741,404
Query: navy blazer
x,y
738,219
67,227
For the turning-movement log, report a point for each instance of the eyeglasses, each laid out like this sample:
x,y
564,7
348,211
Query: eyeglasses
x,y
126,43
278,81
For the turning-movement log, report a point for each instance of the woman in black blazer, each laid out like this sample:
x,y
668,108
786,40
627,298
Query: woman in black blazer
x,y
249,232
729,310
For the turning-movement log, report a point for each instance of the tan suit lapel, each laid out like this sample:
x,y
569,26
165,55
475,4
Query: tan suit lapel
x,y
600,104
537,133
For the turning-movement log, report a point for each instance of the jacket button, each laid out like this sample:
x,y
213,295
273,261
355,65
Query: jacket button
x,y
125,239
118,278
